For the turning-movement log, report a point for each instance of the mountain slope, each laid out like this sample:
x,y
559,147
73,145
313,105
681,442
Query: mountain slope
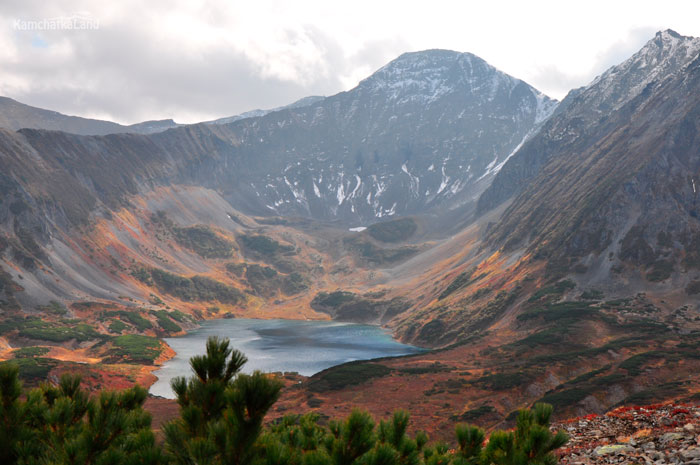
x,y
15,115
582,290
584,111
583,293
361,155
427,131
627,205
612,207
625,188
304,102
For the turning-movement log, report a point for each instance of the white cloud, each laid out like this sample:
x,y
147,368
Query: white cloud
x,y
197,60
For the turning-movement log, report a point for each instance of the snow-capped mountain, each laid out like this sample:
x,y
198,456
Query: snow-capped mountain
x,y
429,129
665,54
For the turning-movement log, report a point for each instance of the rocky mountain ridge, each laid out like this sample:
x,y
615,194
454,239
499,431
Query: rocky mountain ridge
x,y
15,115
585,109
425,132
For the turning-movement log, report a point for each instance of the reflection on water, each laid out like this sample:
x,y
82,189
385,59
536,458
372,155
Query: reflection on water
x,y
306,347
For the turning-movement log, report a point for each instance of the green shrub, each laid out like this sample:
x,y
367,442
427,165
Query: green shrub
x,y
435,367
589,375
133,318
592,294
555,290
33,369
34,328
374,255
565,398
134,348
503,381
660,270
562,312
117,326
62,423
545,337
203,241
655,394
29,352
474,414
634,364
348,374
610,379
294,283
165,322
264,245
143,275
397,230
237,269
196,288
54,307
178,316
693,288
463,279
333,299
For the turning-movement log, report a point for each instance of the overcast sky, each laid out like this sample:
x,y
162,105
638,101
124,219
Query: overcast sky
x,y
197,60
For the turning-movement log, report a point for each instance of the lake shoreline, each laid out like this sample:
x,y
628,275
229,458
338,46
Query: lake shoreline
x,y
316,344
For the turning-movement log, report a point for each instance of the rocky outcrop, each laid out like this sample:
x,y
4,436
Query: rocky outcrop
x,y
653,434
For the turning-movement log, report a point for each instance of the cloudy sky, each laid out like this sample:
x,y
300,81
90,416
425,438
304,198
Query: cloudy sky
x,y
198,60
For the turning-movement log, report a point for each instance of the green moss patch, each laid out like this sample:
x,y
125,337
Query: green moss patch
x,y
40,330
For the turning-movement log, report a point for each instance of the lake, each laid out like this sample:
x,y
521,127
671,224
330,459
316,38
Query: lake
x,y
306,347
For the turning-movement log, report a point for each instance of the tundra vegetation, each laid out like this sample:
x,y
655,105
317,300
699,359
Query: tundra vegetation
x,y
222,413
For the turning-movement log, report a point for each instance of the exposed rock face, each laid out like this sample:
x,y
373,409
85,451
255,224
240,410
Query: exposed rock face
x,y
611,181
586,113
425,132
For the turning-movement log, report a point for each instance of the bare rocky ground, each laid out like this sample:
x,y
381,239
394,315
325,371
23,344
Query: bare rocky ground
x,y
655,434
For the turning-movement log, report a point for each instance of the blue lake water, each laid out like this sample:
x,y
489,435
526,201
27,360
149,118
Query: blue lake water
x,y
306,347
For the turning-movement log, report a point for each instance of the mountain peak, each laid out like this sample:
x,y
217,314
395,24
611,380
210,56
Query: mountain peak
x,y
428,58
663,55
669,41
669,33
431,74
